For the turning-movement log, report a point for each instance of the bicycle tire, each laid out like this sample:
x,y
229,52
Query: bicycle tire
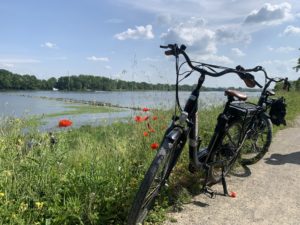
x,y
225,154
257,142
162,165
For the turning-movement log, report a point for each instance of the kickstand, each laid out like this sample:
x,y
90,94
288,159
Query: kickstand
x,y
206,189
224,183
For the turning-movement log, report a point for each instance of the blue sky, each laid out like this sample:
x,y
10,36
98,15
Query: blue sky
x,y
120,39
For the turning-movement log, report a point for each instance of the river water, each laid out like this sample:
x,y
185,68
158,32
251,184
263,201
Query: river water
x,y
28,103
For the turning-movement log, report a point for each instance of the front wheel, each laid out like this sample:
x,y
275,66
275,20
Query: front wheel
x,y
257,142
156,176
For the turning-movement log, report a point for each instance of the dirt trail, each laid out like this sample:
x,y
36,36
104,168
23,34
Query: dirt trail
x,y
269,195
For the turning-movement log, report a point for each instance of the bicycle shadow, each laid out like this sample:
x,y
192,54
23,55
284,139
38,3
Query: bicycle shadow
x,y
279,159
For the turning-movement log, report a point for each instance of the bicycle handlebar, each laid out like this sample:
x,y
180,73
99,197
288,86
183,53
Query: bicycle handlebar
x,y
244,74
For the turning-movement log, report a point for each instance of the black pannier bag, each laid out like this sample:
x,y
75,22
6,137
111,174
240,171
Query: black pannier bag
x,y
278,111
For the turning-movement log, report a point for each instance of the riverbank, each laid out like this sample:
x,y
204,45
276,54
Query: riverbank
x,y
91,174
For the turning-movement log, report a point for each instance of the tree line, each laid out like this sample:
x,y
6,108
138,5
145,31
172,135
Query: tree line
x,y
13,81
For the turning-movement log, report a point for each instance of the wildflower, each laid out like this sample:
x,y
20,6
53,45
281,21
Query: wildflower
x,y
146,109
233,194
154,117
23,207
141,118
65,123
146,134
39,205
1,194
7,173
138,119
154,145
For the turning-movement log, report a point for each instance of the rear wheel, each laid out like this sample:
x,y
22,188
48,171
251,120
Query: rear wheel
x,y
257,142
155,177
224,156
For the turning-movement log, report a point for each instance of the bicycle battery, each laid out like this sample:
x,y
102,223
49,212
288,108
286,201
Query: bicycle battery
x,y
244,109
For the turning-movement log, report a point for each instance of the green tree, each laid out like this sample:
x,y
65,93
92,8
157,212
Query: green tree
x,y
51,83
298,65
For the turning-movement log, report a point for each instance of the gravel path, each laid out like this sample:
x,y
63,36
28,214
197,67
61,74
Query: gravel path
x,y
269,195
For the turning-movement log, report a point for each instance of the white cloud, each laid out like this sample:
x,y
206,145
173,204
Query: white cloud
x,y
238,52
281,68
49,45
291,30
223,12
97,59
164,19
19,61
108,67
232,35
212,58
283,49
270,14
7,65
193,34
144,32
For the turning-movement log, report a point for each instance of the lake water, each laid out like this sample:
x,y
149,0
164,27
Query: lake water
x,y
25,103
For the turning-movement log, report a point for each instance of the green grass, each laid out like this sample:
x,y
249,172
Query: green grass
x,y
90,176
81,109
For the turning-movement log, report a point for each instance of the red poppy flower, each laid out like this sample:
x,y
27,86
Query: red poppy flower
x,y
154,117
154,145
146,134
138,119
233,194
146,109
145,118
65,123
152,130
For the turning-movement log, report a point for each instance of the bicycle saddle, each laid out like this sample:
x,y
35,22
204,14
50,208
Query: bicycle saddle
x,y
233,93
269,92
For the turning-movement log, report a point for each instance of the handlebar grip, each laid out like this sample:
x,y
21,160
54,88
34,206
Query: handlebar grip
x,y
169,52
163,46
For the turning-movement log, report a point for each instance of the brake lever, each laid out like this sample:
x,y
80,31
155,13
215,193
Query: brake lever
x,y
163,46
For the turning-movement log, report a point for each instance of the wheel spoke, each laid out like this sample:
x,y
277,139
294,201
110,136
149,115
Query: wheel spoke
x,y
257,144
